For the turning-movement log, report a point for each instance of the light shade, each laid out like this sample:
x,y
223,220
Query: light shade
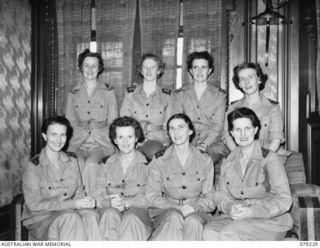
x,y
269,16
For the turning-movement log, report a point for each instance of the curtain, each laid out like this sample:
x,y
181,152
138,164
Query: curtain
x,y
159,23
73,25
318,54
115,21
202,31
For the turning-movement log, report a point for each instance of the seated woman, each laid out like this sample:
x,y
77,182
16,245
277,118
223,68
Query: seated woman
x,y
120,189
180,185
150,104
250,79
56,207
91,107
253,192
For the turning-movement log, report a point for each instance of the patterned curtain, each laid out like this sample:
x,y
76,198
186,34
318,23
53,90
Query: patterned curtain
x,y
318,55
115,21
159,23
73,24
15,95
202,31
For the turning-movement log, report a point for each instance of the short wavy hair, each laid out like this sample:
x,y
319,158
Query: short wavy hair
x,y
86,53
244,113
187,120
200,55
126,121
156,58
249,65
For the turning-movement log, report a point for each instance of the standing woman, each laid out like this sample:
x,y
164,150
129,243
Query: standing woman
x,y
250,79
253,192
55,204
91,107
150,105
120,190
180,185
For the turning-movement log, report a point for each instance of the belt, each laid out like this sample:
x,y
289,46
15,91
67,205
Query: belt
x,y
147,127
92,124
182,200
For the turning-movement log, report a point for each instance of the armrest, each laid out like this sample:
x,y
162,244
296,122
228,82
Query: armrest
x,y
306,211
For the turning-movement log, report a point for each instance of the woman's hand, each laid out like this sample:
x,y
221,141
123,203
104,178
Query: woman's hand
x,y
202,146
87,202
116,202
186,210
239,212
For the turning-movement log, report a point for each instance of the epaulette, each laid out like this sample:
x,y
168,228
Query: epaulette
x,y
35,160
273,101
179,90
233,102
71,154
108,86
104,160
159,153
222,90
265,152
166,91
74,91
131,89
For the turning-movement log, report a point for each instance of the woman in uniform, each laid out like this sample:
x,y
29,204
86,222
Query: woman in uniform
x,y
91,107
253,193
180,185
121,185
250,79
150,104
205,104
56,207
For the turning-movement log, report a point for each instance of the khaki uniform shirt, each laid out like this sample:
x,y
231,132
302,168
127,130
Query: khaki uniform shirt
x,y
152,112
91,116
269,114
170,184
47,189
207,115
131,184
264,186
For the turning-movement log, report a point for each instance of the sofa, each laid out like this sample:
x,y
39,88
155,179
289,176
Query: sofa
x,y
305,209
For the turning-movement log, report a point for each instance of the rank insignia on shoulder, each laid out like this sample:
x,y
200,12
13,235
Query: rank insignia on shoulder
x,y
109,87
160,153
273,101
74,91
166,91
35,160
179,90
131,89
71,154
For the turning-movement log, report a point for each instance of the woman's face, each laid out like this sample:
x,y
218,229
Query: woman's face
x,y
179,131
243,132
249,81
55,137
200,70
149,69
125,139
90,68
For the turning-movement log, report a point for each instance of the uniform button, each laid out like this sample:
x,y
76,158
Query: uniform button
x,y
61,179
64,194
88,112
89,101
109,184
227,183
89,132
121,193
147,104
256,184
122,181
198,118
49,187
198,134
183,173
76,106
184,187
242,192
168,178
198,106
198,179
160,112
147,116
138,185
135,112
101,106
